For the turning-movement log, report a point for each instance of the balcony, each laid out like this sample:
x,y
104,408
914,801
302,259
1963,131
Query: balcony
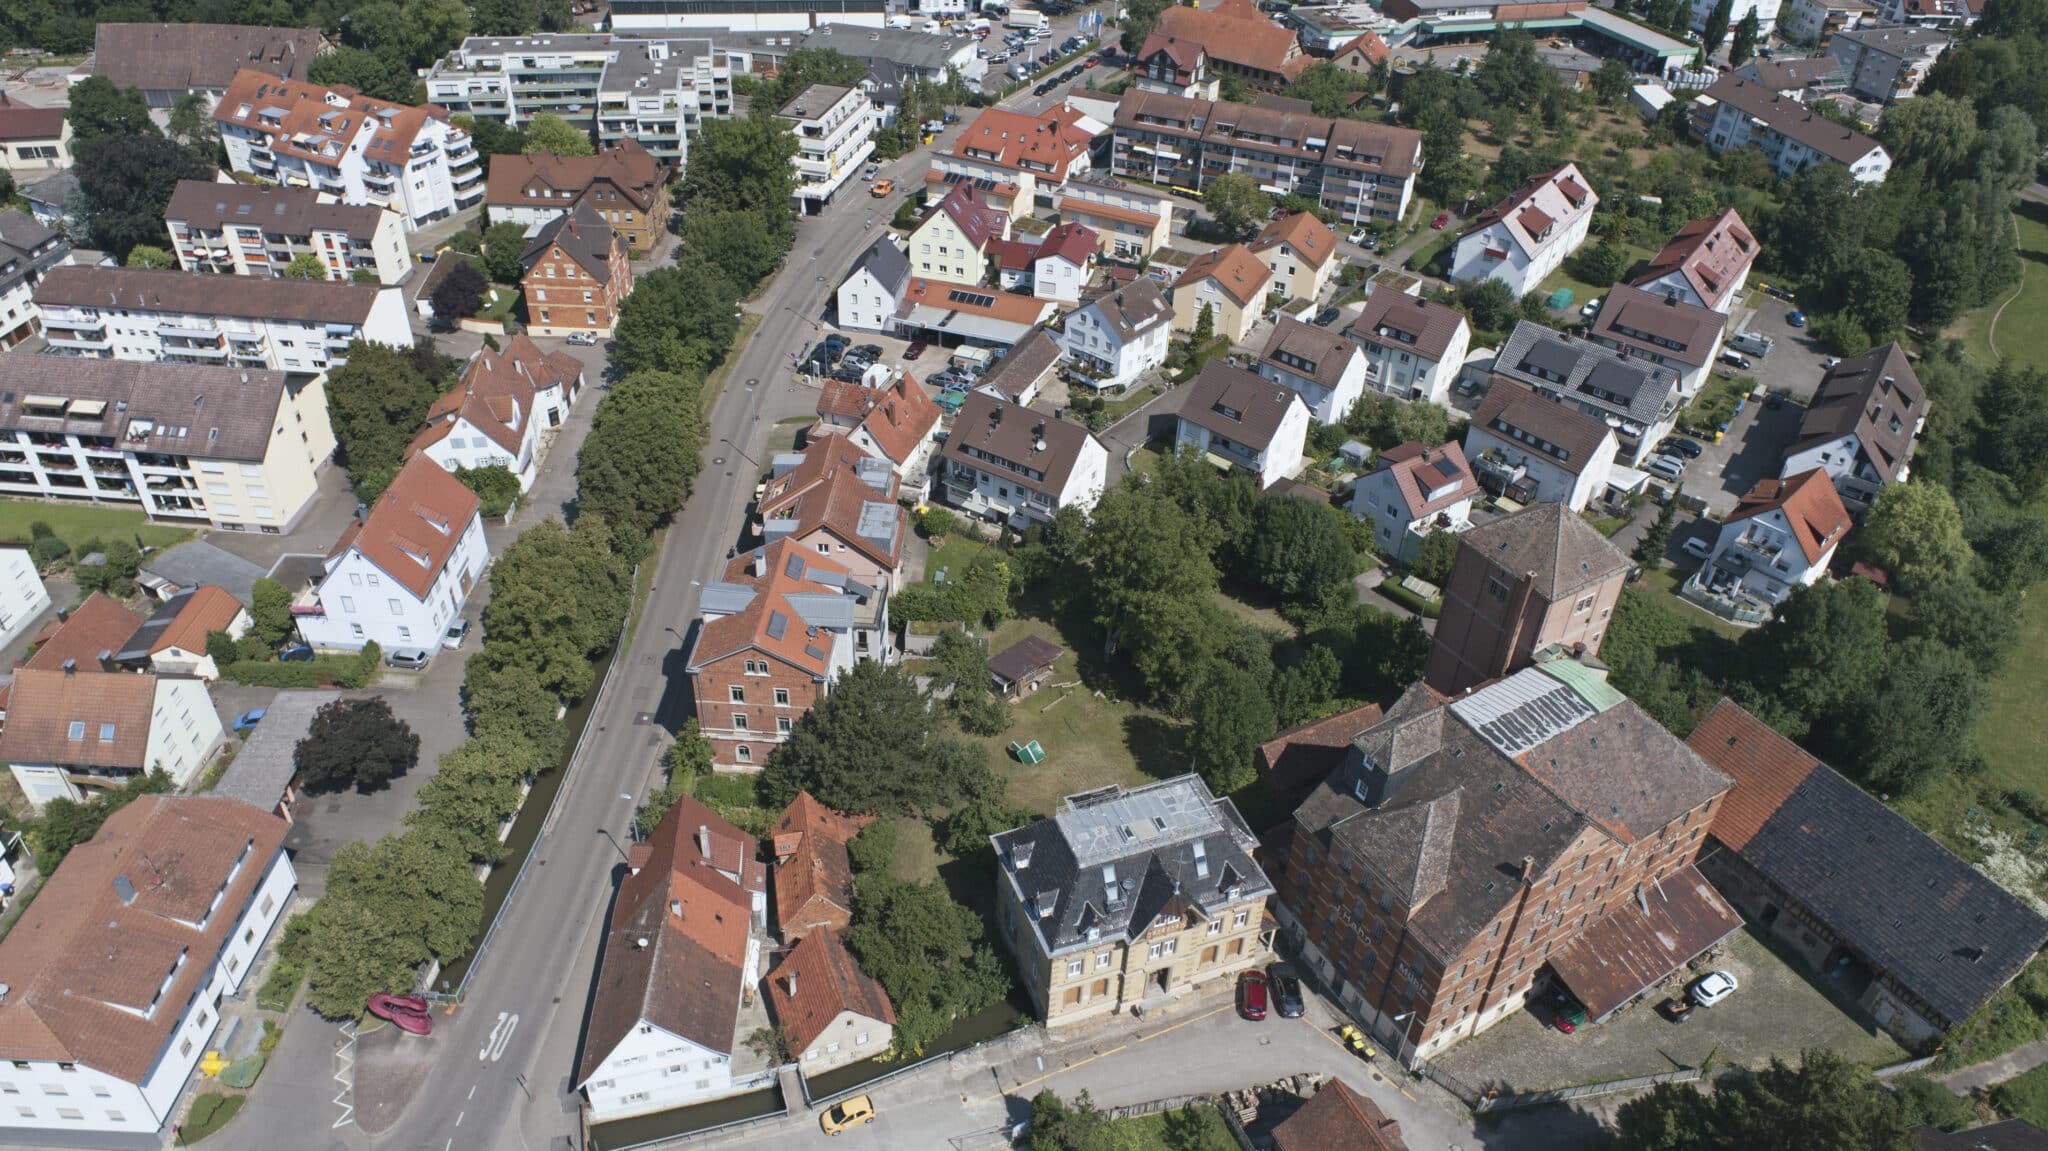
x,y
307,602
176,330
83,340
461,176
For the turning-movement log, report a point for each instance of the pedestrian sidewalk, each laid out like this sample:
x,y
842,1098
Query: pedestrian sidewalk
x,y
1991,1072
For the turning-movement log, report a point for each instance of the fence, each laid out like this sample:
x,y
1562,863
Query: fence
x,y
943,1056
1157,1105
705,1132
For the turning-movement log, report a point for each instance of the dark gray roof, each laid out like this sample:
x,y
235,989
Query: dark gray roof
x,y
290,211
1565,434
225,413
53,189
988,430
1659,325
582,233
181,57
28,248
1024,365
1580,370
196,563
1564,551
1866,396
1132,308
885,262
140,644
1310,352
1112,861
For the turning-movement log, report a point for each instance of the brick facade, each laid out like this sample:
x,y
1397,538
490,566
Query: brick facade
x,y
563,297
773,696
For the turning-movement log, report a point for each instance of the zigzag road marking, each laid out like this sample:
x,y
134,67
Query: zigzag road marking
x,y
344,1074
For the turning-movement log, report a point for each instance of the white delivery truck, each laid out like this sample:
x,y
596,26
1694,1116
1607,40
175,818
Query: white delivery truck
x,y
1030,19
1755,343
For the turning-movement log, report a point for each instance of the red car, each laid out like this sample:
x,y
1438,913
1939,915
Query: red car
x,y
1090,62
1442,219
1251,995
915,350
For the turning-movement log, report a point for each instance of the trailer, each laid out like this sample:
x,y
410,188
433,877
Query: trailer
x,y
1029,19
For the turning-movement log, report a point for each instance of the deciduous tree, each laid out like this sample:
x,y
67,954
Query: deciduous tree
x,y
99,110
549,135
354,742
148,256
558,598
305,266
124,182
1232,717
1915,532
642,454
1824,1103
1236,202
1298,549
868,747
375,402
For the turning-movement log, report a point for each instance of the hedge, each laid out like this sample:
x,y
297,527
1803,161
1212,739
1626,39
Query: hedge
x,y
345,671
1428,609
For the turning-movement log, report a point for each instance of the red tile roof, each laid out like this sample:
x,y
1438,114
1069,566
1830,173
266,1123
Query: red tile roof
x,y
1812,507
1767,769
827,982
1420,469
1241,275
826,491
1073,242
541,370
1297,759
27,122
902,418
1236,32
1045,144
498,403
1310,238
1544,200
111,708
412,530
1369,47
208,609
812,865
1338,1118
768,624
1713,254
317,117
971,213
99,625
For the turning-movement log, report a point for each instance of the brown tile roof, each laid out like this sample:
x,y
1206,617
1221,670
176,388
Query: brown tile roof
x,y
112,711
1073,242
540,370
1242,405
1009,432
805,818
1628,951
1020,659
1236,32
208,205
1241,275
1811,505
971,213
812,865
199,293
1420,470
1712,253
1369,48
1304,232
167,57
1338,1118
1045,144
768,623
1390,315
1028,362
320,124
1543,201
1875,396
1186,54
1310,352
100,624
1624,772
1132,307
497,403
1659,325
828,491
207,609
1792,119
827,982
527,181
843,400
902,418
1297,759
143,402
411,531
823,456
20,121
83,966
1510,404
1564,551
677,941
1767,769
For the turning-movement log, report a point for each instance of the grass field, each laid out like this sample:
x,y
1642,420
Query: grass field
x,y
1584,293
77,523
2019,333
1194,1128
2009,737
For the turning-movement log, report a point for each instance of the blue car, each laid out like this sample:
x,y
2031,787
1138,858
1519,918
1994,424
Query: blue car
x,y
297,653
1796,318
248,719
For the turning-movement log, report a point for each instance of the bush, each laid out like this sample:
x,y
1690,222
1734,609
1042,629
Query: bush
x,y
343,671
937,523
210,1112
874,848
48,552
1428,609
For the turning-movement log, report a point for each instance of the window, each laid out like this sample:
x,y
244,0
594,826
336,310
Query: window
x,y
1585,604
783,724
1239,920
1496,589
1215,927
744,753
77,729
1073,968
781,697
1102,960
185,1048
739,721
116,1117
739,694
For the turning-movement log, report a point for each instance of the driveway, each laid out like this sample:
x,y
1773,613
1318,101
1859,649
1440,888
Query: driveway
x,y
1797,360
1753,449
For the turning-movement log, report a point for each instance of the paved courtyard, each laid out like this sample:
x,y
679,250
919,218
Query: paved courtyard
x,y
1774,1011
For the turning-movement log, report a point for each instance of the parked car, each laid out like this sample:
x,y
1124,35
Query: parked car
x,y
915,349
1591,309
835,347
1679,446
297,653
457,632
410,658
248,719
1358,235
1286,991
1668,468
1712,988
1796,318
1698,547
1442,220
1566,1013
583,339
868,352
1251,994
1328,316
1735,360
847,1114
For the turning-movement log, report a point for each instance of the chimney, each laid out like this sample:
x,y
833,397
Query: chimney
x,y
1528,868
63,614
70,666
362,512
792,985
704,839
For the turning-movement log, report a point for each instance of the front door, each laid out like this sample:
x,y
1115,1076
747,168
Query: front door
x,y
1163,979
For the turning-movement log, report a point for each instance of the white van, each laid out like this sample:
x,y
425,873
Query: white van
x,y
1027,18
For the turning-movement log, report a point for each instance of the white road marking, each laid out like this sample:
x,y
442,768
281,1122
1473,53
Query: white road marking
x,y
459,1117
472,1092
498,1041
484,1052
344,1074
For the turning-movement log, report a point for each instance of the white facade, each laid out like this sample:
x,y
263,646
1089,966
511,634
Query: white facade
x,y
23,598
441,172
1054,277
835,129
1530,236
1735,128
250,249
357,601
184,730
866,304
1279,459
1775,562
991,492
1888,64
190,333
1094,342
1378,495
1766,14
747,15
175,660
653,1070
1804,21
1326,404
1394,369
465,445
1554,483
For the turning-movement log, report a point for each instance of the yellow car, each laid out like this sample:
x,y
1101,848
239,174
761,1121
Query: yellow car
x,y
847,1115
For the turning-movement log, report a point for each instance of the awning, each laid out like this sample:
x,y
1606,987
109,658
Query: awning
x,y
1643,940
1625,479
1218,462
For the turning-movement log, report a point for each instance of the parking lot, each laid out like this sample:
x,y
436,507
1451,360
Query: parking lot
x,y
1796,361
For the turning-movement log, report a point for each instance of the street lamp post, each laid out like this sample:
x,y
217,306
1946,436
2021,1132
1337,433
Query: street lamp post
x,y
727,441
615,846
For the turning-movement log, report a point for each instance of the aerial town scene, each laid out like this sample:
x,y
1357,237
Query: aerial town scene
x,y
1070,575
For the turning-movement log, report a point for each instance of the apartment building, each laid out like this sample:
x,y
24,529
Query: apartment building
x,y
1791,135
1243,422
952,242
1131,897
1230,284
29,248
1782,535
1529,234
1322,367
167,62
834,500
1706,263
625,182
1117,334
1413,349
1301,252
1662,330
1016,161
402,570
556,378
1467,852
146,315
867,296
234,449
1130,223
1814,22
1005,462
578,273
247,230
1361,171
77,731
412,160
115,979
1533,448
1888,64
1236,39
33,141
1631,393
1860,425
25,599
745,16
835,130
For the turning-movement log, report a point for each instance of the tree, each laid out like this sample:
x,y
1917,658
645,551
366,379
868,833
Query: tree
x,y
474,790
745,246
115,574
504,245
867,746
305,266
1152,580
192,120
1490,304
124,182
1716,27
1205,326
1915,532
961,669
390,906
1877,292
1746,35
740,163
355,741
375,402
146,256
1385,422
98,110
1237,204
1919,724
687,761
642,454
1299,551
432,27
1612,81
1328,88
460,294
373,74
270,611
1650,549
509,699
1823,1104
1232,718
873,848
495,486
926,952
1057,1125
558,598
1433,559
1825,646
549,134
1511,74
1604,262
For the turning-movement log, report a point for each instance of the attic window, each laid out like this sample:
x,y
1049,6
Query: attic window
x,y
106,733
77,729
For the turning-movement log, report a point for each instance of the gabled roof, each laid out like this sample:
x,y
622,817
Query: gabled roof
x,y
1542,210
521,367
183,623
1792,119
1025,365
816,982
208,205
973,216
1877,398
1236,32
90,959
1564,551
972,300
20,121
1241,405
1312,353
1047,143
100,624
1020,659
1075,243
1713,254
839,489
110,712
885,262
1812,508
1187,55
1368,46
321,124
497,403
1429,479
806,817
1411,323
1241,275
545,180
582,234
1310,238
205,294
412,530
812,862
1661,325
1297,759
1131,308
1338,1117
1572,436
228,413
1912,910
753,611
1049,448
169,57
901,418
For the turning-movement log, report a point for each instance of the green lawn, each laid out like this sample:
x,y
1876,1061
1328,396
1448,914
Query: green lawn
x,y
77,523
953,556
2009,737
1584,293
2025,1097
1263,617
498,305
1665,582
1198,1127
2019,332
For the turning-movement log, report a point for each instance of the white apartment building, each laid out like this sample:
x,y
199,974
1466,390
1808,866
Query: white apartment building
x,y
488,421
1791,135
244,230
402,570
146,315
1528,235
1322,367
23,598
74,732
1005,462
745,15
1814,21
1413,348
409,159
28,248
1766,14
835,129
1888,64
1118,335
235,449
867,296
1244,422
114,983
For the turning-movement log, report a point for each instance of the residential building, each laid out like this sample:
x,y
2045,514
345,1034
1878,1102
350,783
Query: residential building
x,y
1015,161
659,93
1860,425
895,420
1797,77
1118,334
1005,462
1781,535
1231,284
1815,863
1706,263
1243,422
76,731
1415,490
835,130
240,450
1027,368
251,230
28,250
33,140
1636,398
1337,1116
1413,348
625,183
833,500
1815,22
777,630
1888,64
1538,829
1300,251
1532,448
1294,761
24,599
1949,14
488,420
678,962
412,160
1662,330
1529,234
813,874
1322,367
86,636
173,642
167,62
1238,40
867,296
1766,15
1538,579
402,570
1361,171
787,18
194,564
145,315
1129,898
51,198
1791,135
583,262
556,378
951,313
1130,223
832,1011
1363,55
116,975
1175,67
1062,263
952,242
